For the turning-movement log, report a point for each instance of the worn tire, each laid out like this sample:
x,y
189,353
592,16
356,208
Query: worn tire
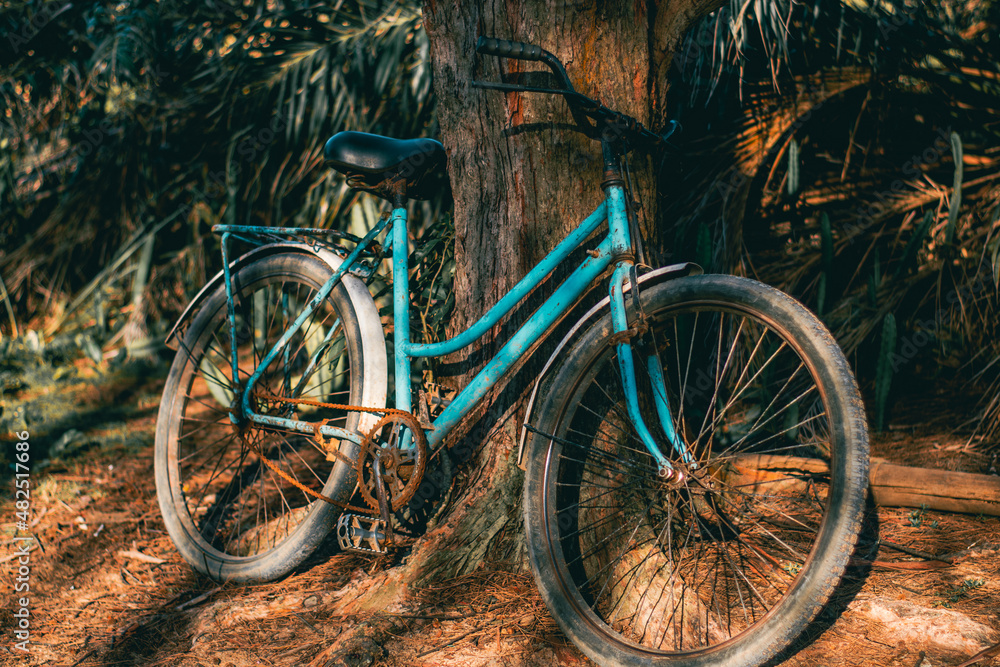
x,y
722,513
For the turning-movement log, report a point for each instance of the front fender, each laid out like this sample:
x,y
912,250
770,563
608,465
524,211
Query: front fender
x,y
601,309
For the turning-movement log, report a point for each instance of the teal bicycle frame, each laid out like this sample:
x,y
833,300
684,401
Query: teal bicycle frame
x,y
615,249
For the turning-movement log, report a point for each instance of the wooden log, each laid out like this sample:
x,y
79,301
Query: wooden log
x,y
891,485
944,490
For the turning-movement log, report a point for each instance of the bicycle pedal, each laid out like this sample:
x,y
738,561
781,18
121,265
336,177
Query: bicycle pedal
x,y
361,534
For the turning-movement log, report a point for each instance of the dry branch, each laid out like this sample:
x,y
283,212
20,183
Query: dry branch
x,y
138,555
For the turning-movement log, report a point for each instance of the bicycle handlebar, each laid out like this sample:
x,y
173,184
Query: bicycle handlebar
x,y
606,118
489,46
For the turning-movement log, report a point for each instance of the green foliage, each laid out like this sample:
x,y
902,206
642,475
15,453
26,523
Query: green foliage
x,y
431,285
189,114
793,167
961,591
826,242
993,249
916,241
10,310
874,281
826,252
703,248
884,372
956,193
821,289
886,154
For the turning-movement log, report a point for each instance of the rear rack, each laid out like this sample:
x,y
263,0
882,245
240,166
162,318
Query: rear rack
x,y
316,238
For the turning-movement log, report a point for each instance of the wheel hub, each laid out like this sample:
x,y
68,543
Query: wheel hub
x,y
237,416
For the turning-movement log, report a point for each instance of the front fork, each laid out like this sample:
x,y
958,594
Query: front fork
x,y
626,366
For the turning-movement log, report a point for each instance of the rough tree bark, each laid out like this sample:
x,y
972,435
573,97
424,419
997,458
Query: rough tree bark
x,y
521,178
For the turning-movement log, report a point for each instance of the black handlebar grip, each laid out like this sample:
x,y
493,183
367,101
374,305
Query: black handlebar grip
x,y
489,46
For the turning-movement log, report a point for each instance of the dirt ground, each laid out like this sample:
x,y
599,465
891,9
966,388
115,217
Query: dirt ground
x,y
108,588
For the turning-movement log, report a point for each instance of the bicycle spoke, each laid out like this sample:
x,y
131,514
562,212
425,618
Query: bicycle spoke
x,y
234,484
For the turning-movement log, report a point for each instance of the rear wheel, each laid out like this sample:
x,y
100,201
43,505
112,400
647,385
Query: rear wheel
x,y
728,564
232,497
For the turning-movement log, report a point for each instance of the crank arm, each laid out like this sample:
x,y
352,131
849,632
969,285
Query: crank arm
x,y
383,501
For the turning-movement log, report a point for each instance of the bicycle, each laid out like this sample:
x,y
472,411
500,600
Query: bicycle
x,y
694,487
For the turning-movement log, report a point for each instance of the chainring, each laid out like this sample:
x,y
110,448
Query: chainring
x,y
402,469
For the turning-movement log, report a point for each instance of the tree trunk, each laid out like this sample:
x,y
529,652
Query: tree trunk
x,y
522,178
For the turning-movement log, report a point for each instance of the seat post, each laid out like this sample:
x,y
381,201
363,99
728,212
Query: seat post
x,y
401,306
394,189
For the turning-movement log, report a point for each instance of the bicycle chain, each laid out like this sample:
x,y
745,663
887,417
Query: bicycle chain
x,y
367,442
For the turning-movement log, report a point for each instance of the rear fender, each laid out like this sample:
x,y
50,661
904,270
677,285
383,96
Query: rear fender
x,y
334,261
376,367
593,315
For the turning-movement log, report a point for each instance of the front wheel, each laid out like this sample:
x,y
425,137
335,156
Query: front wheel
x,y
726,563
